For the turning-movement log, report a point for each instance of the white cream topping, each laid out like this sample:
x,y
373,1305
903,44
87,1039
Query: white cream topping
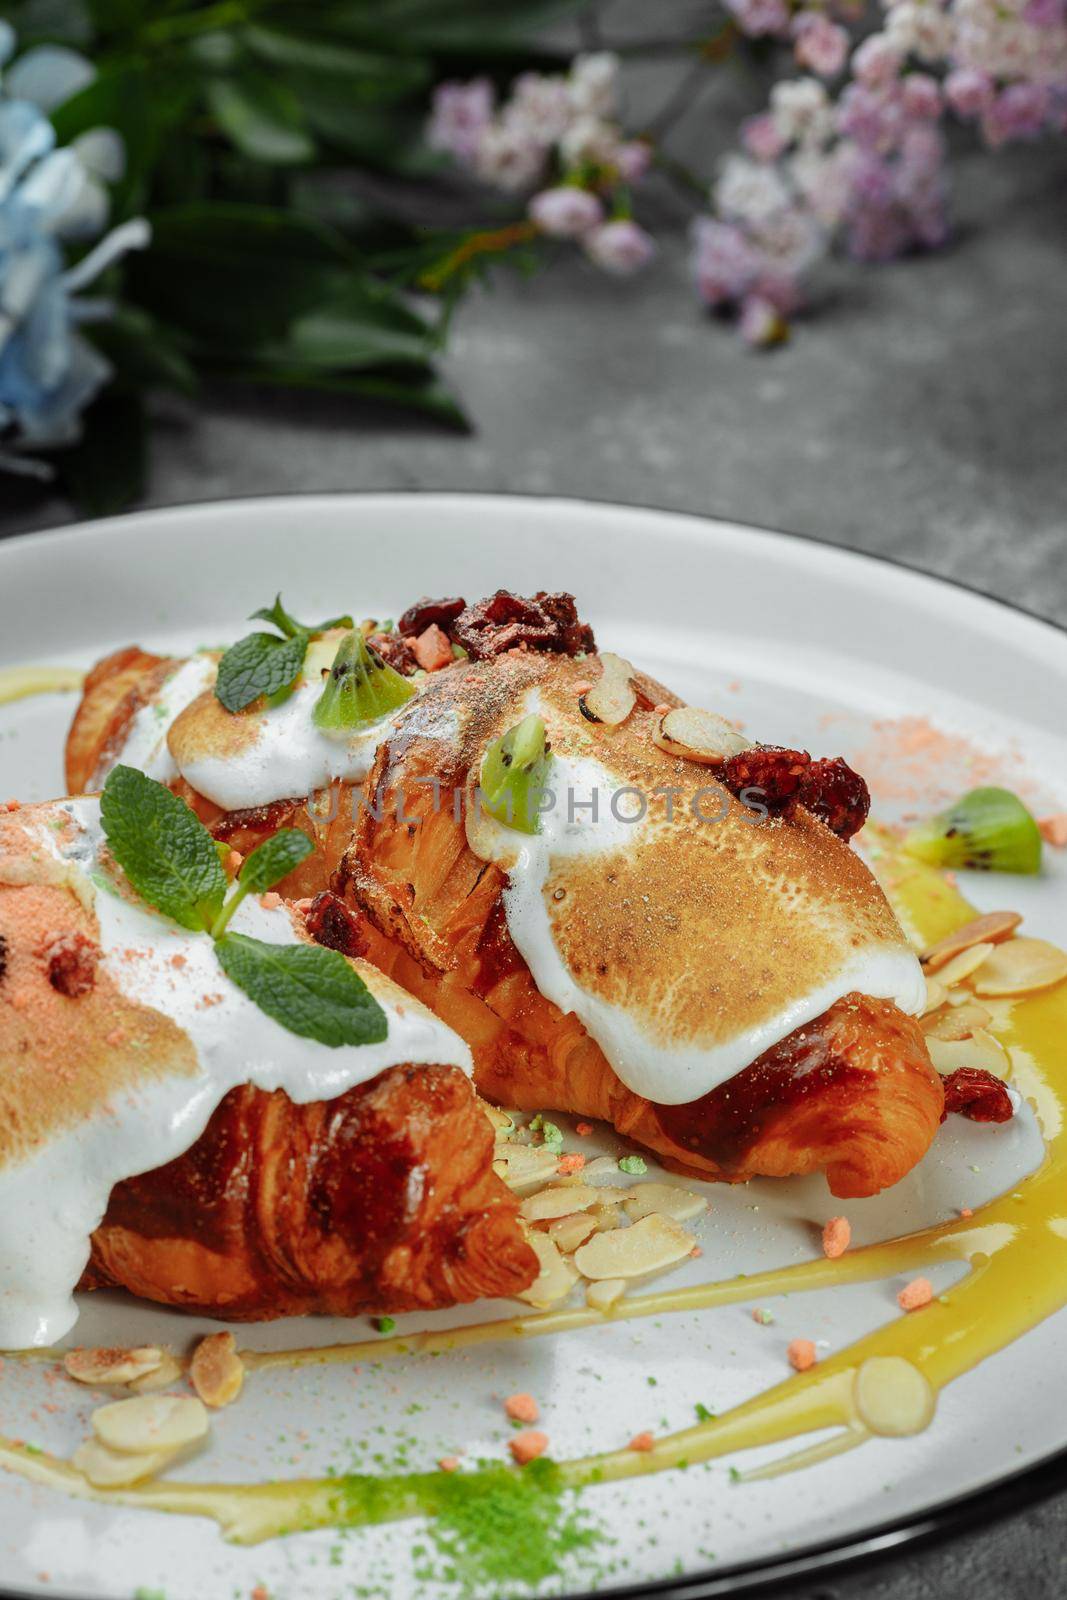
x,y
289,757
145,744
666,1072
51,1202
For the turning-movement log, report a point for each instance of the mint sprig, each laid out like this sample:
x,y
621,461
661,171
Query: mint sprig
x,y
309,990
172,861
163,848
268,664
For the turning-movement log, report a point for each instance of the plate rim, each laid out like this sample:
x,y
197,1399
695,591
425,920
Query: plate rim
x,y
945,1520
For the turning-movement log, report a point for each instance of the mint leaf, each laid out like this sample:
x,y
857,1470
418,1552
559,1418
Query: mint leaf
x,y
309,990
259,664
274,859
287,624
163,848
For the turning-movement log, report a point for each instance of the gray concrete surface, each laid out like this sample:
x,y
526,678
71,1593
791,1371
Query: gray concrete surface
x,y
919,413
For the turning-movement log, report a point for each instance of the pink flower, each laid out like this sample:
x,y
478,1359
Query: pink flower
x,y
1045,13
620,247
542,104
760,323
922,95
633,159
762,137
969,92
821,44
871,117
876,61
1018,112
461,114
565,212
724,263
758,17
510,156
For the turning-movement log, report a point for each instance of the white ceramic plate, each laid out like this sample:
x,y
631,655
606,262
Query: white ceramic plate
x,y
811,646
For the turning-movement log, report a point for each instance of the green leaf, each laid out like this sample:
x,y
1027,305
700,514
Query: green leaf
x,y
105,471
163,848
274,859
309,990
371,74
258,664
287,624
263,118
143,351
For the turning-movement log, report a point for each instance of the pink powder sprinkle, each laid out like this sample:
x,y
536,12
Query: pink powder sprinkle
x,y
449,1463
583,1129
642,1441
569,1164
1054,830
836,1237
270,901
918,1293
522,1408
528,1446
965,1211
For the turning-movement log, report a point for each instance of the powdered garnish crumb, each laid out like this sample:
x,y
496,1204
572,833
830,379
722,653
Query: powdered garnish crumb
x,y
836,1237
642,1441
918,1293
1054,830
801,1353
522,1408
528,1446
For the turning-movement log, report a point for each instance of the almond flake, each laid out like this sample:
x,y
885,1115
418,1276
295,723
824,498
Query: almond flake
x,y
1022,966
216,1370
936,995
103,1367
603,1293
980,1049
893,1398
115,1469
150,1423
665,1200
993,928
168,1372
612,697
964,964
957,1022
699,736
524,1166
648,1246
567,1233
555,1279
558,1201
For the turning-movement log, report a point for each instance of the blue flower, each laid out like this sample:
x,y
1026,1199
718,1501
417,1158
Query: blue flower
x,y
48,372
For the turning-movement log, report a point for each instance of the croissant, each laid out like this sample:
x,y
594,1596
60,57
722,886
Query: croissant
x,y
704,932
162,1133
382,1199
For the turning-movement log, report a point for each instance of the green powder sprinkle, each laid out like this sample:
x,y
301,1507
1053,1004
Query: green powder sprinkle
x,y
500,1528
635,1165
703,1414
385,1324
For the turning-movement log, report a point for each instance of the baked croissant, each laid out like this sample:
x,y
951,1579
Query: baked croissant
x,y
699,936
383,1199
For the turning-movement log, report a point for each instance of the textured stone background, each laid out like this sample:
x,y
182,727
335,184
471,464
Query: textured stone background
x,y
922,413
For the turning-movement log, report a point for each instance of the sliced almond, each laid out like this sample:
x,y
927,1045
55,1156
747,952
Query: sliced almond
x,y
699,736
559,1201
612,697
502,1121
556,1277
603,1293
216,1370
964,964
956,1022
993,928
525,1166
162,1377
567,1233
893,1398
650,1245
1022,966
980,1050
608,1216
936,996
600,1167
150,1423
103,1367
115,1469
663,1199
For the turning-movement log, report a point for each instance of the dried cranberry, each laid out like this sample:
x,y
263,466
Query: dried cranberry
x,y
425,612
331,923
979,1095
395,651
71,961
505,621
837,795
774,775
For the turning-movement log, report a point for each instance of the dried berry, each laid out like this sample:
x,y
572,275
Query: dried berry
x,y
837,795
70,960
395,651
331,923
978,1095
427,613
767,775
506,621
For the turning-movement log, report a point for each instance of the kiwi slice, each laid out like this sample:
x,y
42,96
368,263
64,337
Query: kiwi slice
x,y
360,688
514,771
988,830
